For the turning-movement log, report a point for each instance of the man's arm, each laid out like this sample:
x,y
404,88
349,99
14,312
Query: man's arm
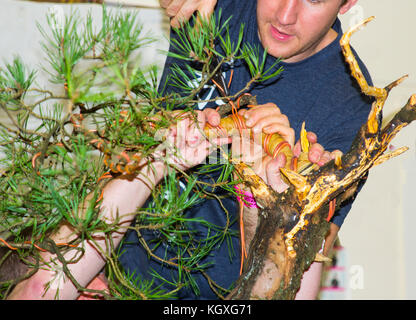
x,y
121,198
181,10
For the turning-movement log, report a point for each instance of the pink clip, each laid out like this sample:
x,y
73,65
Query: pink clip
x,y
248,199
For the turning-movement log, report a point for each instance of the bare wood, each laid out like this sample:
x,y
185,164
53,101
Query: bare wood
x,y
292,225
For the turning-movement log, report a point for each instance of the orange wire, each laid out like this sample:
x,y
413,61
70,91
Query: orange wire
x,y
279,147
242,236
218,86
239,98
62,244
295,164
36,246
238,121
104,176
240,124
266,144
331,211
34,159
8,245
231,78
223,132
101,196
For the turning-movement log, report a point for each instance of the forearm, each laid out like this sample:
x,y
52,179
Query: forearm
x,y
121,198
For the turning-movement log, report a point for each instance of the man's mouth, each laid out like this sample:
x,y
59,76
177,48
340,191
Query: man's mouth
x,y
280,35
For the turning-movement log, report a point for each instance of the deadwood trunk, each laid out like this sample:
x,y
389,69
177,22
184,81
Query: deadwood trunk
x,y
292,225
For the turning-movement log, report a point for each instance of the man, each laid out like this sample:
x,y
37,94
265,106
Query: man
x,y
315,87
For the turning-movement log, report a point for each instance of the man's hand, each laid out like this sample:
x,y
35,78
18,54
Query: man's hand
x,y
317,153
181,10
185,145
268,119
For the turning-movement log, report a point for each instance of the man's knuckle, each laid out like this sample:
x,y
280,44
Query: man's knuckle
x,y
285,119
164,3
317,147
274,106
187,11
172,10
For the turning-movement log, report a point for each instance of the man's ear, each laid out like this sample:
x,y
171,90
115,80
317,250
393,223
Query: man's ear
x,y
347,6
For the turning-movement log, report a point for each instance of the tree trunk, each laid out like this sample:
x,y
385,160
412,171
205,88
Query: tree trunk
x,y
292,225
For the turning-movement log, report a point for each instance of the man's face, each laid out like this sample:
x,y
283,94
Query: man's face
x,y
296,29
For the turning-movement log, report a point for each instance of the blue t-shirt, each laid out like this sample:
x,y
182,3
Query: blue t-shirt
x,y
318,90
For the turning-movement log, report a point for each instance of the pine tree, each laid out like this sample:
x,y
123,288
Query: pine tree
x,y
60,149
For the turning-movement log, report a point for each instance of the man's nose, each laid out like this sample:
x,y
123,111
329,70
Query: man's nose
x,y
287,12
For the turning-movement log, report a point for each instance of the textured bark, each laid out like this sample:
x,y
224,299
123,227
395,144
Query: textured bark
x,y
292,225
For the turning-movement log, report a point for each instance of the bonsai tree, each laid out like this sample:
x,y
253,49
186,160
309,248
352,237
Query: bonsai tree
x,y
60,149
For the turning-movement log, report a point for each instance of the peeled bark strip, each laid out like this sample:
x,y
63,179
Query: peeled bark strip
x,y
292,225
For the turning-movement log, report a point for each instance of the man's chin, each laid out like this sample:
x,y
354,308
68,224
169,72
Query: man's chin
x,y
278,51
280,55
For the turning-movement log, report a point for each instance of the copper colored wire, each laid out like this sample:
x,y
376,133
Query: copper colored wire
x,y
279,147
35,245
231,78
332,205
294,165
242,236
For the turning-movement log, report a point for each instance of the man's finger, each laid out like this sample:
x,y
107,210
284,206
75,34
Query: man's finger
x,y
266,123
181,10
326,157
297,149
212,116
315,152
274,178
183,13
174,7
254,114
286,132
207,8
336,153
312,138
164,3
